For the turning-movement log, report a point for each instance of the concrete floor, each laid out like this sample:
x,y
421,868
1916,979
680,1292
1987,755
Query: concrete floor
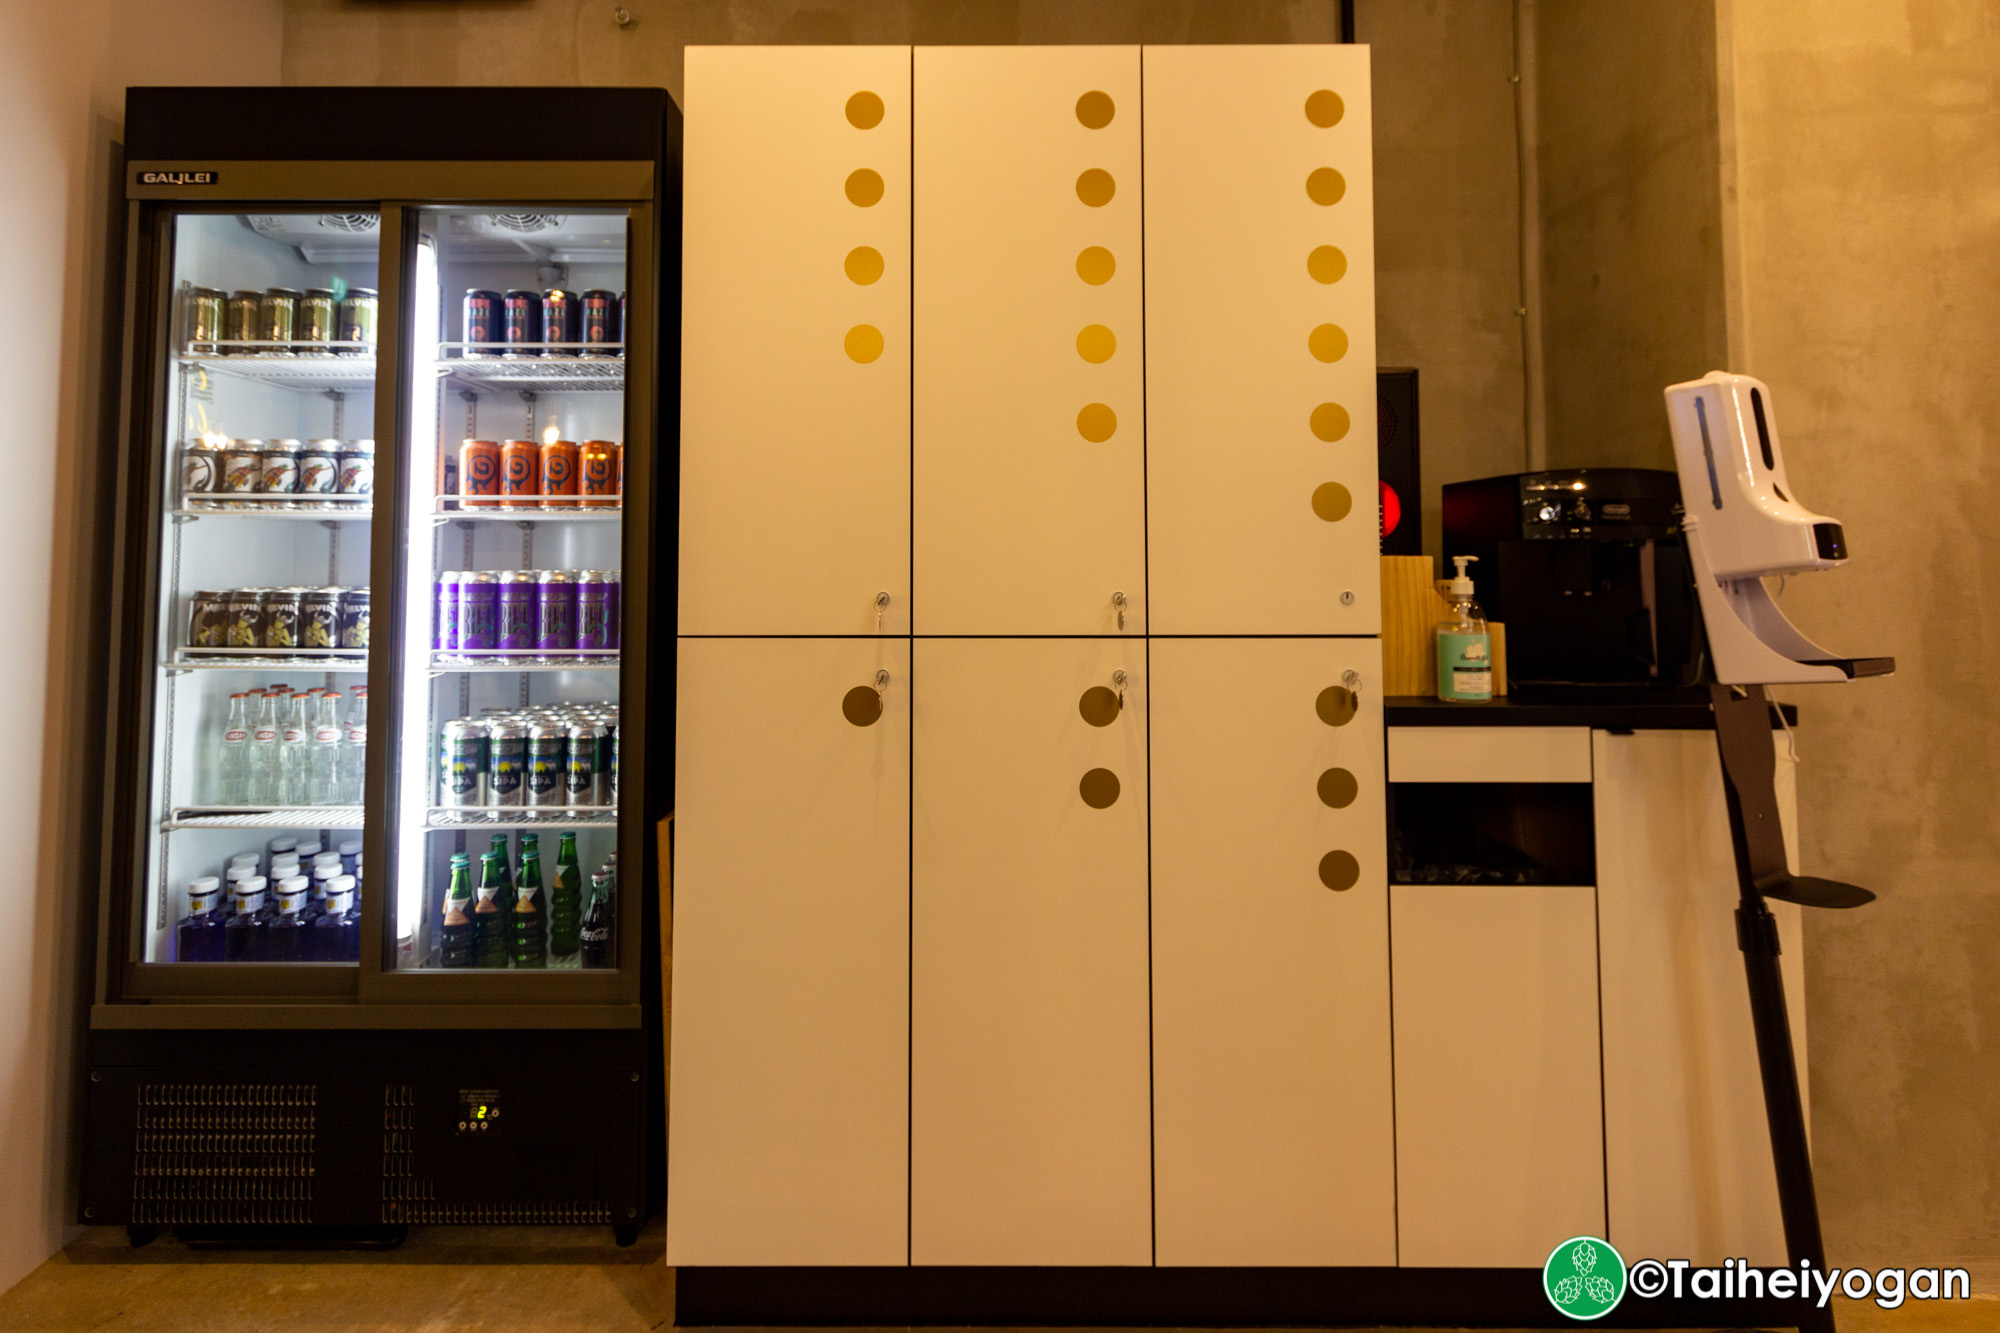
x,y
517,1279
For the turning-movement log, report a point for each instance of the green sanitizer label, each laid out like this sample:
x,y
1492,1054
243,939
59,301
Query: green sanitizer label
x,y
1465,666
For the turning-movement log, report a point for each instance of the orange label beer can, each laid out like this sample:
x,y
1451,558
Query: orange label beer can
x,y
559,473
479,471
600,473
520,472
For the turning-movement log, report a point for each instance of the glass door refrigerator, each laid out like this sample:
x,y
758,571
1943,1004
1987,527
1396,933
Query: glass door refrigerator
x,y
377,938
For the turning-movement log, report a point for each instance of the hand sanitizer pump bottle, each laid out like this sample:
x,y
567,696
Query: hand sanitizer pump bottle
x,y
1464,648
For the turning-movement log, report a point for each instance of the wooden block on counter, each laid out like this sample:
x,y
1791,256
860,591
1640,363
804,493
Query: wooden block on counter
x,y
1411,608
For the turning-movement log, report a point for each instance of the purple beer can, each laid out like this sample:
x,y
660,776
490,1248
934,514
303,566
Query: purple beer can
x,y
478,611
617,605
596,610
519,622
446,640
555,634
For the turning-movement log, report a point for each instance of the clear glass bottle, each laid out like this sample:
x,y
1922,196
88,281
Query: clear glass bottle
x,y
294,748
266,778
232,755
354,748
323,775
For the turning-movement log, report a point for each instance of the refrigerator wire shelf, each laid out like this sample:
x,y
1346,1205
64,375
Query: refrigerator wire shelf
x,y
562,368
454,818
357,507
268,659
353,371
264,816
501,513
588,659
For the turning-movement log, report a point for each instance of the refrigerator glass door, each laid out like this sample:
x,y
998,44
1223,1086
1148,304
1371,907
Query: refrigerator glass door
x,y
505,783
259,717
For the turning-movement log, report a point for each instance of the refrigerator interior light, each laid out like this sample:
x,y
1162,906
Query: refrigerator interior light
x,y
413,771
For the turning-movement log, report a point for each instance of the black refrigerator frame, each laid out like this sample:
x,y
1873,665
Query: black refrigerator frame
x,y
330,1096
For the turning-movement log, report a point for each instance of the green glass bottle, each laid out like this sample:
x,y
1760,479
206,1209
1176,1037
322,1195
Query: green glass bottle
x,y
530,928
489,933
455,935
503,897
566,907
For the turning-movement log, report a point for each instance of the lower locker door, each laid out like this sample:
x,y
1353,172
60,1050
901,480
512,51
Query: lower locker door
x,y
788,1130
1273,1116
1029,1137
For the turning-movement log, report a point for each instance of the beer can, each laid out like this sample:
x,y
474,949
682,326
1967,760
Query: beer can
x,y
483,315
242,467
313,328
601,322
598,469
607,759
594,628
242,321
355,322
555,619
282,609
519,604
353,622
614,766
277,315
521,322
201,467
208,620
462,763
319,618
615,600
245,609
319,467
548,764
280,474
520,472
205,315
357,468
559,469
506,761
445,640
562,320
478,611
479,472
623,323
580,773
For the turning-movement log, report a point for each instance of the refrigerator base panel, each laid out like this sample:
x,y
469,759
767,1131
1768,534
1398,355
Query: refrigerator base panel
x,y
334,1129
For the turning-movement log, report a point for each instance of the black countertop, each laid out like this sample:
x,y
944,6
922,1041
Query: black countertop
x,y
1605,709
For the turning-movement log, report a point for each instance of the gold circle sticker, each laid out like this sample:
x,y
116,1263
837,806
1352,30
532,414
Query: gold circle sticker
x,y
1337,788
1335,705
864,343
861,705
1339,871
864,188
864,264
1095,344
1095,109
864,111
1095,265
1325,187
1099,788
1324,108
1326,263
1099,706
1331,501
1328,342
1095,187
1330,422
1096,422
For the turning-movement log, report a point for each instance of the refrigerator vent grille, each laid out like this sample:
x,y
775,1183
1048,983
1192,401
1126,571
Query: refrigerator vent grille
x,y
528,222
223,1153
411,1199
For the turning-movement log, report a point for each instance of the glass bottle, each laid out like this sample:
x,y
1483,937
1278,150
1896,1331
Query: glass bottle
x,y
565,905
595,935
294,745
530,946
455,934
323,759
232,759
489,925
354,749
266,779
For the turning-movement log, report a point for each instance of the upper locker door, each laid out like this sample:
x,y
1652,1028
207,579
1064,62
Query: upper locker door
x,y
1262,511
1029,426
795,385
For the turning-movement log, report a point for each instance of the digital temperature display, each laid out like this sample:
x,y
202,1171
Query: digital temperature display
x,y
479,1111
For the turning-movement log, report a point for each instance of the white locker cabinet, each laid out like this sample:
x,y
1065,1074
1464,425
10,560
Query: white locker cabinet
x,y
788,1129
795,360
1029,419
1261,489
1272,1108
1029,1093
1687,1147
1499,1131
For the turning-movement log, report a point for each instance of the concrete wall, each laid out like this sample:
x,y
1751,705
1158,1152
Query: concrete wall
x,y
1868,162
63,72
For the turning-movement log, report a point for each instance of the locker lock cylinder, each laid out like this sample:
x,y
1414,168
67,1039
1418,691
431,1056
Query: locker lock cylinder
x,y
1352,680
1118,600
1118,683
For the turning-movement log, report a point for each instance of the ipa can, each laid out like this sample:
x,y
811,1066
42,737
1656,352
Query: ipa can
x,y
580,773
548,764
462,763
506,762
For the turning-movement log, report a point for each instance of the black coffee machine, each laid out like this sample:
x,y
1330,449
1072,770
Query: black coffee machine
x,y
1587,569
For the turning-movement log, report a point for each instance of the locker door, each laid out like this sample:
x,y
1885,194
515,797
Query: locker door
x,y
788,1129
1028,1070
795,361
1029,423
1273,1116
1262,514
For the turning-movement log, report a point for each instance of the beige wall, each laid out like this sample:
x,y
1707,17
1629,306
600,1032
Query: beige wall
x,y
63,72
1869,165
